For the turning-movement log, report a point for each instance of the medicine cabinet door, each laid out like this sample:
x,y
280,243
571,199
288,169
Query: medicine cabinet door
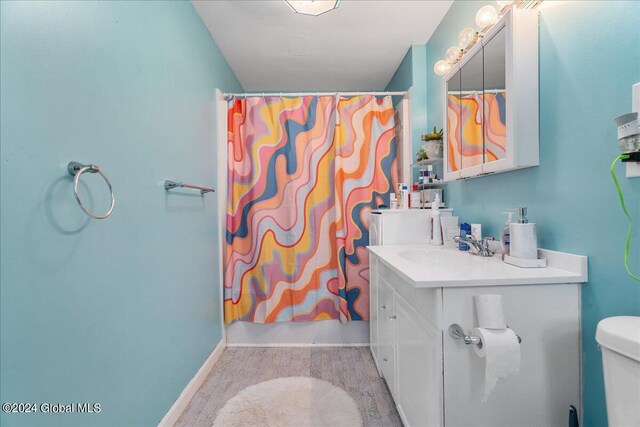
x,y
471,113
453,162
495,100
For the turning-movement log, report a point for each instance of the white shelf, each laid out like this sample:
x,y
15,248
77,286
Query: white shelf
x,y
427,162
431,184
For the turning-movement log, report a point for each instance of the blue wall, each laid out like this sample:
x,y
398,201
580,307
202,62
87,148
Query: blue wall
x,y
125,310
589,59
411,74
403,77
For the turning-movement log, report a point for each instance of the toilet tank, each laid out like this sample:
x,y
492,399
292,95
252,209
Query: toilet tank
x,y
619,339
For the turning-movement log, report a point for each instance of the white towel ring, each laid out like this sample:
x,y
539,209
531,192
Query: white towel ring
x,y
78,169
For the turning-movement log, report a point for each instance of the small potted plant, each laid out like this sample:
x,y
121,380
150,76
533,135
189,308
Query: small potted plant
x,y
421,155
433,143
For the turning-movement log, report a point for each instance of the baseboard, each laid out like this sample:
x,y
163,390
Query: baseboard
x,y
359,344
178,407
375,362
328,332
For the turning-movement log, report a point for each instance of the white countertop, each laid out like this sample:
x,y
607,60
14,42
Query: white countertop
x,y
428,266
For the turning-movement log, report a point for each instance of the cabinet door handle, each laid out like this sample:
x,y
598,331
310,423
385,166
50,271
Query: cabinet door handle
x,y
383,307
394,317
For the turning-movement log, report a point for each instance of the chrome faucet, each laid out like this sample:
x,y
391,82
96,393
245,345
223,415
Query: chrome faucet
x,y
478,247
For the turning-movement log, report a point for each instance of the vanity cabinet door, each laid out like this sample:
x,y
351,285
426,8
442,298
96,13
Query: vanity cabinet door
x,y
373,311
387,334
386,312
419,368
388,366
547,317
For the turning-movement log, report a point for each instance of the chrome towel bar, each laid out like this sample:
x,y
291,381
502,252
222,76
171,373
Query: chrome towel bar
x,y
77,169
456,332
169,185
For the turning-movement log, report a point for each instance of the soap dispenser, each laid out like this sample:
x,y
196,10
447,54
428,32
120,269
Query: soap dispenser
x,y
523,238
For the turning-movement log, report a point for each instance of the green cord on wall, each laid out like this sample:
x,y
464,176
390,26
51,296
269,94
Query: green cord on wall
x,y
626,212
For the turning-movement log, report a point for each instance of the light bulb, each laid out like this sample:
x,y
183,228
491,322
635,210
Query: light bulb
x,y
467,38
453,54
441,67
486,16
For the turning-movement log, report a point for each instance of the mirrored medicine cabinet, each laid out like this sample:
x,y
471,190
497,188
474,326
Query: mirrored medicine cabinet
x,y
491,101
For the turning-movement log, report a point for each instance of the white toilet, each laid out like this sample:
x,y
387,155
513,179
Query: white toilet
x,y
619,339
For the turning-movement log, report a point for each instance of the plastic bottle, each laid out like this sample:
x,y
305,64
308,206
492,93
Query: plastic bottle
x,y
399,195
505,234
405,196
465,230
476,231
436,228
393,201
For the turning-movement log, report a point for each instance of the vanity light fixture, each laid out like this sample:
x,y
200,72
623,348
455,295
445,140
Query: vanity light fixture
x,y
486,17
441,67
467,38
312,7
453,55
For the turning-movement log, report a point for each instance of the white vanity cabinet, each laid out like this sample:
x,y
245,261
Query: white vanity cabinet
x,y
436,380
406,346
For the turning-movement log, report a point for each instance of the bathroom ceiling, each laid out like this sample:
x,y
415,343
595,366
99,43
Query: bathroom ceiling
x,y
355,47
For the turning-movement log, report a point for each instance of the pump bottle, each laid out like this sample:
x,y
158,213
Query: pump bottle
x,y
523,238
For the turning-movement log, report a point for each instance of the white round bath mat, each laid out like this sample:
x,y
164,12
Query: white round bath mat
x,y
290,401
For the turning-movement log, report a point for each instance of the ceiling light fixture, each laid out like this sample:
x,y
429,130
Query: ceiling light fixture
x,y
312,7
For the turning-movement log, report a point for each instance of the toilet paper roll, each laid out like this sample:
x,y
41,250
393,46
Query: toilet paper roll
x,y
489,311
501,351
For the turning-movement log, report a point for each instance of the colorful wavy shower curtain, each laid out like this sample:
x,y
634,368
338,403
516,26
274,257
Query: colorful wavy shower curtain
x,y
303,176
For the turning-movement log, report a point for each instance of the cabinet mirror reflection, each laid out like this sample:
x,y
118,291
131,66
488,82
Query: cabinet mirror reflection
x,y
476,108
454,135
495,99
471,116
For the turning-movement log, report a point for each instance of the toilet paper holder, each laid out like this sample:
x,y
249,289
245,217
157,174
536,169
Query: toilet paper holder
x,y
456,332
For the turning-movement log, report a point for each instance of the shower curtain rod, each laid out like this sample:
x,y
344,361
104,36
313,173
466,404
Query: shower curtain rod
x,y
294,94
471,92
